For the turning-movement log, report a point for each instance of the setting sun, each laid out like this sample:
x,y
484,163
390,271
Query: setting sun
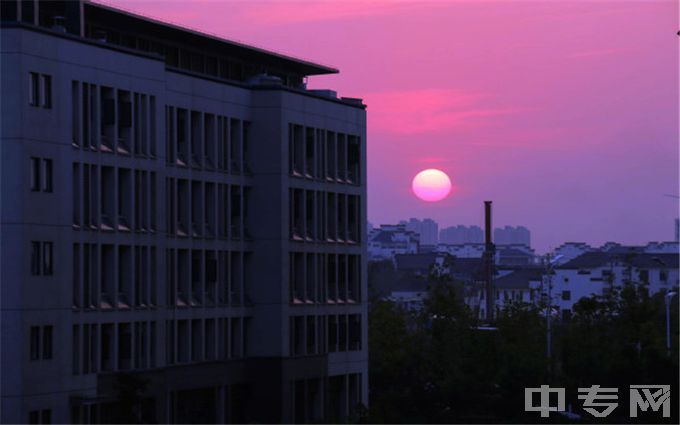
x,y
431,185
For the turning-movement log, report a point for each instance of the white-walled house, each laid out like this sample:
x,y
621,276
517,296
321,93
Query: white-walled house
x,y
594,273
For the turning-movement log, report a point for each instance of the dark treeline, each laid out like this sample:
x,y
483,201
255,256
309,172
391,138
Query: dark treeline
x,y
436,366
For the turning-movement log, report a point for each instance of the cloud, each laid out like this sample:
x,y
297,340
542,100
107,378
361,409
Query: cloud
x,y
429,110
597,52
287,12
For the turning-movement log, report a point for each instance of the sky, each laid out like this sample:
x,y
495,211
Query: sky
x,y
564,113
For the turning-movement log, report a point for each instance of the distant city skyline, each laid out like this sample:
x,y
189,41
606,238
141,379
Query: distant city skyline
x,y
564,113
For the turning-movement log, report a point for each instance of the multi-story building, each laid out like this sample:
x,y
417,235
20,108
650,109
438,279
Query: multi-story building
x,y
178,211
510,235
427,228
596,273
389,240
456,235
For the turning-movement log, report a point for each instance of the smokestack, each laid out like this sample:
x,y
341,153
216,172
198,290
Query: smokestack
x,y
487,222
489,260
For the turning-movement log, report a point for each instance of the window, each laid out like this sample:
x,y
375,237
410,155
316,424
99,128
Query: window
x,y
41,258
47,342
41,175
644,276
39,90
35,258
35,174
33,89
35,342
47,175
46,92
41,343
47,259
40,416
566,295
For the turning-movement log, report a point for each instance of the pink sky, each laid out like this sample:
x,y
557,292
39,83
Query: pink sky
x,y
565,114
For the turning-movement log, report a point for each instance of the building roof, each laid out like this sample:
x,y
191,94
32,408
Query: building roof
x,y
177,34
410,262
519,278
466,267
596,259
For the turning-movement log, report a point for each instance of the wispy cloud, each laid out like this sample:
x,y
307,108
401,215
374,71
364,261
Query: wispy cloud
x,y
286,12
597,52
430,110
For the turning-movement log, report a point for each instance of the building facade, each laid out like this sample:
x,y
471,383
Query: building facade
x,y
179,215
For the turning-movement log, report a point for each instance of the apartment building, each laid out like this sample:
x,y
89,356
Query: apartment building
x,y
181,219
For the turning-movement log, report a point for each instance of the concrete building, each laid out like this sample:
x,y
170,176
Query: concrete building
x,y
510,235
427,228
518,285
570,250
595,273
456,235
467,250
179,209
389,240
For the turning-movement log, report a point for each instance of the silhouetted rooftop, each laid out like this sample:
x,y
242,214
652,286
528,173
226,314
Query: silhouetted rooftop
x,y
636,259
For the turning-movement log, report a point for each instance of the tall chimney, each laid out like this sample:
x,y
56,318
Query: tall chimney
x,y
489,259
487,222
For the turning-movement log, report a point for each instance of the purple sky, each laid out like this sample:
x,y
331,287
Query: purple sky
x,y
565,114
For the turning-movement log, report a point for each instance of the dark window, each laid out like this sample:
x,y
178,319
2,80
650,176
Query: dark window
x,y
644,276
47,342
566,295
47,258
40,416
39,90
8,10
46,416
35,343
47,175
35,258
46,99
41,258
34,89
35,174
41,175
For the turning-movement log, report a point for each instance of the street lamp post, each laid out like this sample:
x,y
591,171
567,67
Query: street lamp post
x,y
550,264
668,297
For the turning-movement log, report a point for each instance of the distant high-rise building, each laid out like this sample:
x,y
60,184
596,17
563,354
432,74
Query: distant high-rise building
x,y
461,235
509,235
427,228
